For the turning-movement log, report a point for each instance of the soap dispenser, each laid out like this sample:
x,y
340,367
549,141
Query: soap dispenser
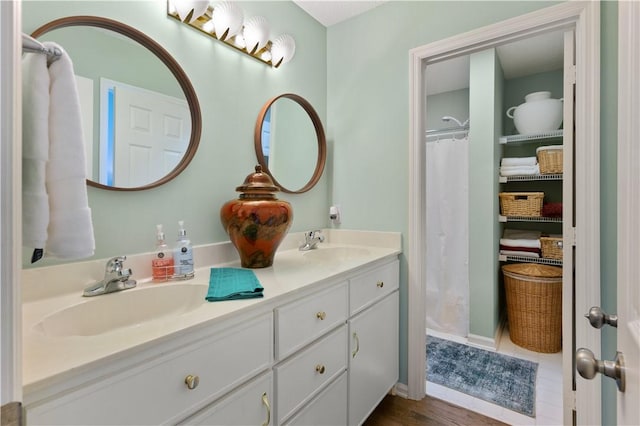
x,y
162,262
183,254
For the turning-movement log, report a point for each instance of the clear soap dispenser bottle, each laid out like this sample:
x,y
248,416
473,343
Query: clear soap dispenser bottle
x,y
162,262
183,254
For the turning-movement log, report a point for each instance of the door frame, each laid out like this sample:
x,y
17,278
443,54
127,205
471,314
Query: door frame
x,y
10,202
584,17
627,410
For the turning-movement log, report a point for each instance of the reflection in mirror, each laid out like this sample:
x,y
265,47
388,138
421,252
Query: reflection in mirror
x,y
141,128
290,143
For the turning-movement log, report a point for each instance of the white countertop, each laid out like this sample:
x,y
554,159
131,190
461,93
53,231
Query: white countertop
x,y
48,360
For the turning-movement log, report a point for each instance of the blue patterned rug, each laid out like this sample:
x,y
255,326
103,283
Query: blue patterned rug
x,y
500,379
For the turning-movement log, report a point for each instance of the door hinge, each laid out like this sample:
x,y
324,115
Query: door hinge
x,y
572,401
571,238
570,75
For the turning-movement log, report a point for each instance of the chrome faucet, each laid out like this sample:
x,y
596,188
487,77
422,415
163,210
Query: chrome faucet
x,y
311,240
116,278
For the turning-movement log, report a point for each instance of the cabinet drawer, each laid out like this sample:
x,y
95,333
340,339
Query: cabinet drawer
x,y
327,409
303,321
249,405
301,377
373,285
156,392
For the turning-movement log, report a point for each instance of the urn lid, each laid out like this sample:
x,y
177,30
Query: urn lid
x,y
258,182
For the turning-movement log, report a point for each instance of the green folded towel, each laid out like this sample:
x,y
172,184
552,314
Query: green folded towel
x,y
233,283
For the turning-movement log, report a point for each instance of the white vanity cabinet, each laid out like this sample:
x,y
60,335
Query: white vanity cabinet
x,y
373,343
155,390
323,353
249,405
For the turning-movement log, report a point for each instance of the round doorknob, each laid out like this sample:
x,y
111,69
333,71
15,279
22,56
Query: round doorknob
x,y
192,381
321,315
380,284
320,368
588,366
598,318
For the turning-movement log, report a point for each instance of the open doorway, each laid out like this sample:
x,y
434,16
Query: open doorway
x,y
584,259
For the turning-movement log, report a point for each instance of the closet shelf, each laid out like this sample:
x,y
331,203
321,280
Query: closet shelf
x,y
529,219
538,137
542,260
528,178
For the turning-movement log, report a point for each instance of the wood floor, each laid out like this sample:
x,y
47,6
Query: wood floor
x,y
398,411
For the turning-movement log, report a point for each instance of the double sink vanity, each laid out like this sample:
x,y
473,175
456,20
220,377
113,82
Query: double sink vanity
x,y
321,346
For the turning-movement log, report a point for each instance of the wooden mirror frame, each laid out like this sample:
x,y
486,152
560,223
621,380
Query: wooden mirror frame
x,y
322,142
168,60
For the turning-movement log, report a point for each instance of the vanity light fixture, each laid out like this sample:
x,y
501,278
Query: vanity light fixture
x,y
225,22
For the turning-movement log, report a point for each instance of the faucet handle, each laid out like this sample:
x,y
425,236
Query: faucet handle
x,y
318,234
115,264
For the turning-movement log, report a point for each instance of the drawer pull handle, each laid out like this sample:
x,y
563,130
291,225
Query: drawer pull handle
x,y
320,368
265,401
380,284
321,315
357,349
192,381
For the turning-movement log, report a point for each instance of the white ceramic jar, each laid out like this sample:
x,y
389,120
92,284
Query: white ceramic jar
x,y
539,113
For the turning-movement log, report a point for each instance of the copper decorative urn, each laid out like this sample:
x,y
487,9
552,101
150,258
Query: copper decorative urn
x,y
256,221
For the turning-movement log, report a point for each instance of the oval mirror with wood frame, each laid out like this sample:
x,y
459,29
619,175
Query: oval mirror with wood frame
x,y
290,143
141,115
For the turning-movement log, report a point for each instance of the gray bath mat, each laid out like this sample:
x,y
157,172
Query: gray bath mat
x,y
500,379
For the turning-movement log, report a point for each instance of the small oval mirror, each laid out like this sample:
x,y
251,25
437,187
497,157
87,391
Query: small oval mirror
x,y
141,128
290,143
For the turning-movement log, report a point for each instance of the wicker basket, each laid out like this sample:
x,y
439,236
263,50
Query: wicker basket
x,y
534,306
521,203
550,160
551,247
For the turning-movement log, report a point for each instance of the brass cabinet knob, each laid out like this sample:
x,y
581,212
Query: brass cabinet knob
x,y
192,381
380,284
320,368
321,315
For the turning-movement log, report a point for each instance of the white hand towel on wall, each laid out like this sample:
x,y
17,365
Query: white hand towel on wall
x,y
35,150
70,226
56,213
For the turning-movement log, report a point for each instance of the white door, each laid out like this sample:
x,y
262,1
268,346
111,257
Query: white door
x,y
151,135
628,409
10,202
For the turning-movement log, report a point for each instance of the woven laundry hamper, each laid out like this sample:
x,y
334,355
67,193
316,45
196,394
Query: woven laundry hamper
x,y
534,306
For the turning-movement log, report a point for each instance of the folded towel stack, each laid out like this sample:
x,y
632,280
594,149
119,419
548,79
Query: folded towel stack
x,y
515,242
232,284
517,166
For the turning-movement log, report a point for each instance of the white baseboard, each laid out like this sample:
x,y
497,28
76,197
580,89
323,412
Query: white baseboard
x,y
401,390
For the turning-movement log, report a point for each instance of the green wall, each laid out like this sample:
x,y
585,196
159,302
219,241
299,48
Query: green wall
x,y
483,194
368,106
454,104
231,88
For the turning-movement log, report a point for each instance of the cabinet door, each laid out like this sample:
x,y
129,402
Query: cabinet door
x,y
327,409
373,356
249,405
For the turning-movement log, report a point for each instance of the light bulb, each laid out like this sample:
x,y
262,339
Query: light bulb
x,y
282,50
227,20
256,33
184,7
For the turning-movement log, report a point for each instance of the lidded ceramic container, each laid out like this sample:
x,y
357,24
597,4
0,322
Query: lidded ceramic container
x,y
539,113
256,221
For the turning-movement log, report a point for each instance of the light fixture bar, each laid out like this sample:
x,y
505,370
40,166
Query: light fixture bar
x,y
263,55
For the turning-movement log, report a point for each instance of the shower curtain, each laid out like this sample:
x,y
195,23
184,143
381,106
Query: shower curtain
x,y
447,233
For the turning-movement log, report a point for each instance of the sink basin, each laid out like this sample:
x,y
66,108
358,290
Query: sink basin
x,y
127,308
328,254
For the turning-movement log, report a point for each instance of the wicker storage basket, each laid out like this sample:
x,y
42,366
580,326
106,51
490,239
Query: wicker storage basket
x,y
550,160
534,306
551,247
521,203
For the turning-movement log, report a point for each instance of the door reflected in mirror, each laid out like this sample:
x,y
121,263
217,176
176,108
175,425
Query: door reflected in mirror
x,y
290,143
137,104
